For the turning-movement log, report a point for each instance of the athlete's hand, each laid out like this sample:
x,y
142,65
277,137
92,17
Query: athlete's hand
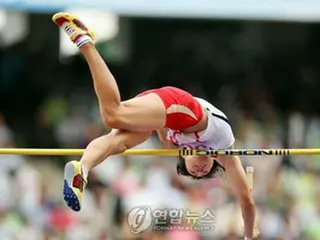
x,y
256,233
162,134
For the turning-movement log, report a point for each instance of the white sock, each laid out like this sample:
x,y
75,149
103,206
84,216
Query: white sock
x,y
83,40
85,171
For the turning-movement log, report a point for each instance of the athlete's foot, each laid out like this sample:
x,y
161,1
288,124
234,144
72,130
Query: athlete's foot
x,y
74,184
75,29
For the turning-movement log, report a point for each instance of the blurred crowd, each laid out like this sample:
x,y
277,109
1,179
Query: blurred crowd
x,y
286,189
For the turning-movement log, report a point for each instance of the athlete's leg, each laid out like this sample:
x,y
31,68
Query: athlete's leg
x,y
144,114
75,174
114,143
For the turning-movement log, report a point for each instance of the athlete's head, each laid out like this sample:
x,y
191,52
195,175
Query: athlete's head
x,y
198,167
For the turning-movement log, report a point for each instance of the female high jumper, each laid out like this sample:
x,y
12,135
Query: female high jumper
x,y
178,117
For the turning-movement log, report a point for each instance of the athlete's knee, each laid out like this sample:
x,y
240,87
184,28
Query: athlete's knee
x,y
112,117
110,120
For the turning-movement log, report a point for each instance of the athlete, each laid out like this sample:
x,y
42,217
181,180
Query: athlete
x,y
179,118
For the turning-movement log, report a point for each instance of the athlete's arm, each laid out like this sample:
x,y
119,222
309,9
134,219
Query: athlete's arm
x,y
162,134
237,179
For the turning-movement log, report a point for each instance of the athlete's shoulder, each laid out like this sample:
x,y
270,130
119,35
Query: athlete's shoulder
x,y
202,101
210,107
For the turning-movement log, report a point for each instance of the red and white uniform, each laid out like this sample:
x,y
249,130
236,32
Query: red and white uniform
x,y
184,111
217,135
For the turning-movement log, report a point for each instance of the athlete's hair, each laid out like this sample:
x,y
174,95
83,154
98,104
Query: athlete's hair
x,y
216,170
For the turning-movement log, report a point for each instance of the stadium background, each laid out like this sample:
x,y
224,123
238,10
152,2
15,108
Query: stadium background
x,y
260,68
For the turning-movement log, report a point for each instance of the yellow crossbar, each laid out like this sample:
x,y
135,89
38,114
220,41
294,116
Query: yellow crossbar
x,y
164,152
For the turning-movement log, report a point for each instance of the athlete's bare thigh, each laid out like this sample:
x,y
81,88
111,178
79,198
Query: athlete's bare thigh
x,y
128,139
144,113
153,109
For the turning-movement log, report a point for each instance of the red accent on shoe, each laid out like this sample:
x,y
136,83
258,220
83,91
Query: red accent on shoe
x,y
61,20
77,38
79,24
78,182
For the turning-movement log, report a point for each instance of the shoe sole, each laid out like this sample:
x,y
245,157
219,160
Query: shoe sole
x,y
72,17
69,196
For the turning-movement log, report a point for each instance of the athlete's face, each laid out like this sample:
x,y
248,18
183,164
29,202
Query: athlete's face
x,y
198,166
